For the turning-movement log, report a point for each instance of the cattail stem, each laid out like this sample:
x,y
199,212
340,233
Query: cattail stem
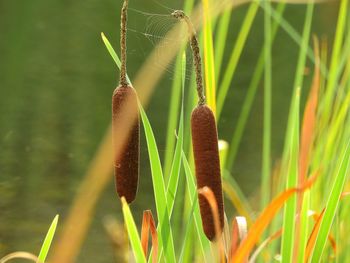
x,y
205,146
178,14
123,22
125,107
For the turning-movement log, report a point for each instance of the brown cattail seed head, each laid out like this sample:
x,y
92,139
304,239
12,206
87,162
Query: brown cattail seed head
x,y
207,163
126,164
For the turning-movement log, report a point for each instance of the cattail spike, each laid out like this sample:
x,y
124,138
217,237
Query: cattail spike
x,y
205,143
125,107
126,164
207,164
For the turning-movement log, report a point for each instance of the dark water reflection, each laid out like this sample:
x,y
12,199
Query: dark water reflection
x,y
56,80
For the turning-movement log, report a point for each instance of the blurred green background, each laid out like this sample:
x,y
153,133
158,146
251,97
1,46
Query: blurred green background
x,y
56,81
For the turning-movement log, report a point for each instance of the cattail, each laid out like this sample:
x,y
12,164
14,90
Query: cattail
x,y
205,143
126,164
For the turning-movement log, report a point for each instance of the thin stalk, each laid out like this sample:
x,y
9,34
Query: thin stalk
x,y
172,118
340,31
249,98
235,55
124,17
266,157
209,64
178,14
292,180
220,42
292,145
299,77
294,34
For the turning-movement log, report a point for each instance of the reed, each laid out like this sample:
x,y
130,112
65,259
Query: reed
x,y
126,164
204,142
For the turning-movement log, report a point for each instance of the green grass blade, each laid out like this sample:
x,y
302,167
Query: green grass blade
x,y
298,39
304,227
248,101
298,78
187,241
292,142
48,240
191,186
235,55
304,47
336,126
209,65
172,118
112,52
163,213
343,60
191,102
332,205
223,150
132,233
175,170
266,151
220,43
176,182
188,6
340,31
292,181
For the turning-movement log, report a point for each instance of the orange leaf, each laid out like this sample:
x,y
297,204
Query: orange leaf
x,y
209,195
309,119
307,135
313,236
148,225
265,219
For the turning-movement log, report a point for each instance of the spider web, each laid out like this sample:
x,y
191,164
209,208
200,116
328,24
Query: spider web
x,y
156,27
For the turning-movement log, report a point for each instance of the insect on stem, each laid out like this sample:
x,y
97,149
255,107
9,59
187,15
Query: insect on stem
x,y
180,15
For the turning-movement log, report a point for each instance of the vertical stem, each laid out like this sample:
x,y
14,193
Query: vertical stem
x,y
198,65
209,66
266,163
178,14
123,21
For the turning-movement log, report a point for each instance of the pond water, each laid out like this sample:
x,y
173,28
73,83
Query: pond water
x,y
56,81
